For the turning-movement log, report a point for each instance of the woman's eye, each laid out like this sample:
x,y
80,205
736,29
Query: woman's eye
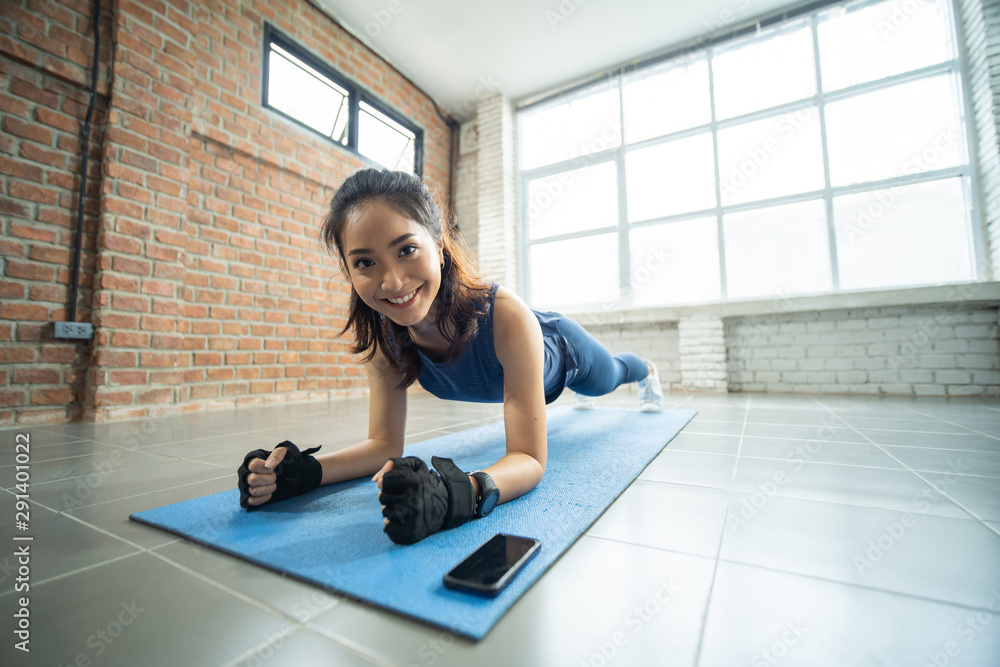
x,y
408,250
363,264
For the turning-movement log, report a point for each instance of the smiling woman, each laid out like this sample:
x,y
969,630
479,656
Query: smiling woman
x,y
419,312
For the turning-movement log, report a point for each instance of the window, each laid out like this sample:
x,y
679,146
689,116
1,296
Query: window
x,y
813,154
307,90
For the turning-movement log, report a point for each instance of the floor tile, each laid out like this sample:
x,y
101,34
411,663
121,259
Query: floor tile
x,y
705,443
944,559
697,425
137,611
872,487
970,442
112,516
691,468
925,459
298,600
981,495
117,483
762,617
817,451
804,432
687,519
59,545
300,648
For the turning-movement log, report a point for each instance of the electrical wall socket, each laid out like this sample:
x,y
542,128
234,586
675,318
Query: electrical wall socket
x,y
78,330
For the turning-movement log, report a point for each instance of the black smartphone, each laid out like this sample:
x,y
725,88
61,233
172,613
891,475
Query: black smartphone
x,y
488,569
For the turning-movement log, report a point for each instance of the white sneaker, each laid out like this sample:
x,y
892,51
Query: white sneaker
x,y
581,402
651,391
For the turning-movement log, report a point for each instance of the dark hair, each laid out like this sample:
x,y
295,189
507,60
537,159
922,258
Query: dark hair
x,y
462,297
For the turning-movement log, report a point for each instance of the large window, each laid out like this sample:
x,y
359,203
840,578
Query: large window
x,y
823,153
307,90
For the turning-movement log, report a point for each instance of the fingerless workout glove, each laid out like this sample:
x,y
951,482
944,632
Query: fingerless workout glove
x,y
419,501
298,473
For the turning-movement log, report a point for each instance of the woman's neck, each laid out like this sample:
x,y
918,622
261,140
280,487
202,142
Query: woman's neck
x,y
428,337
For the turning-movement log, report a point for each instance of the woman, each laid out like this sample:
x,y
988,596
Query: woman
x,y
419,313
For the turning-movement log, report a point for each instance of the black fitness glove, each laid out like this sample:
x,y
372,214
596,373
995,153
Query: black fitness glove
x,y
419,501
298,473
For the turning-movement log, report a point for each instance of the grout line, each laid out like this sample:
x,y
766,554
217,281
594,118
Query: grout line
x,y
722,537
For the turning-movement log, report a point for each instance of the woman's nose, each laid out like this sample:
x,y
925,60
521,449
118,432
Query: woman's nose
x,y
392,280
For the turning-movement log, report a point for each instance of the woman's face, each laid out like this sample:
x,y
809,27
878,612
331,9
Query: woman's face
x,y
394,263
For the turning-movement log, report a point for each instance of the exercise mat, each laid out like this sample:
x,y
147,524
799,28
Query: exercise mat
x,y
332,537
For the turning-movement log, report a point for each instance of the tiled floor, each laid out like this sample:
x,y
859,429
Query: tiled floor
x,y
792,530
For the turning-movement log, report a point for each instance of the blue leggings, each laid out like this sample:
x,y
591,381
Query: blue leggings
x,y
598,372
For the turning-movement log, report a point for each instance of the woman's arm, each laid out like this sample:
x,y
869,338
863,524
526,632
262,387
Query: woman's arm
x,y
517,338
386,428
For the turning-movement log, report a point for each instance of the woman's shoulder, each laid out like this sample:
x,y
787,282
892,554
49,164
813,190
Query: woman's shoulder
x,y
510,310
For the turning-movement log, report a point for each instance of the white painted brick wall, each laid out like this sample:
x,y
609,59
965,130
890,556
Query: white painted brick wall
x,y
467,198
497,193
895,350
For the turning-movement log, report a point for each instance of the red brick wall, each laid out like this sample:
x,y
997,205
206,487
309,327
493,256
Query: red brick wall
x,y
45,52
210,286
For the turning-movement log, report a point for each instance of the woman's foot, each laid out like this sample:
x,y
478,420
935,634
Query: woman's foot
x,y
581,402
650,391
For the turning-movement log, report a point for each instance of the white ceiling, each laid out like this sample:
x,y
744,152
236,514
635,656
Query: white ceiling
x,y
459,52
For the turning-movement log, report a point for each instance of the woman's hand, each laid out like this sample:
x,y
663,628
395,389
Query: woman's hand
x,y
277,475
378,480
262,480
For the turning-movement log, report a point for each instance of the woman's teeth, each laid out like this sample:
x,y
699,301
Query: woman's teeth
x,y
403,299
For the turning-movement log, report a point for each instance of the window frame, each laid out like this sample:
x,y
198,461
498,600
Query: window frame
x,y
356,94
810,15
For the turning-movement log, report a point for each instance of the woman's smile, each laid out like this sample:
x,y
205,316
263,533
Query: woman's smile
x,y
404,300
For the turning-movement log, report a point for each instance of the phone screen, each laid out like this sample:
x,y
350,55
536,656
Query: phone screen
x,y
491,566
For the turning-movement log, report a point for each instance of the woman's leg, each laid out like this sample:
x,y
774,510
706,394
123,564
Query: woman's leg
x,y
598,371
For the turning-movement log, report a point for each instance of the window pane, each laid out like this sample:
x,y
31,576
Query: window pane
x,y
672,177
585,125
579,272
777,251
667,98
675,263
573,201
382,139
306,95
776,156
865,42
764,73
905,129
913,235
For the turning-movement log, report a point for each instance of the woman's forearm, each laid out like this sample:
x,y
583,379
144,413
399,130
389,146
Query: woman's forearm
x,y
515,474
361,460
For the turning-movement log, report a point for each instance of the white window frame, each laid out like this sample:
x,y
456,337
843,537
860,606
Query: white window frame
x,y
967,172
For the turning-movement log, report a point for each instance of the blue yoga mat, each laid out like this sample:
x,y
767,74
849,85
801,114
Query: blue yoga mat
x,y
332,537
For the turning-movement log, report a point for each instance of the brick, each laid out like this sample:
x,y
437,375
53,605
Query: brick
x,y
139,267
33,232
36,376
51,255
30,271
60,121
26,130
60,396
10,398
61,354
21,190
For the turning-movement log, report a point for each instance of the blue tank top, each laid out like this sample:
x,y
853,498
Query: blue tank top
x,y
477,375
